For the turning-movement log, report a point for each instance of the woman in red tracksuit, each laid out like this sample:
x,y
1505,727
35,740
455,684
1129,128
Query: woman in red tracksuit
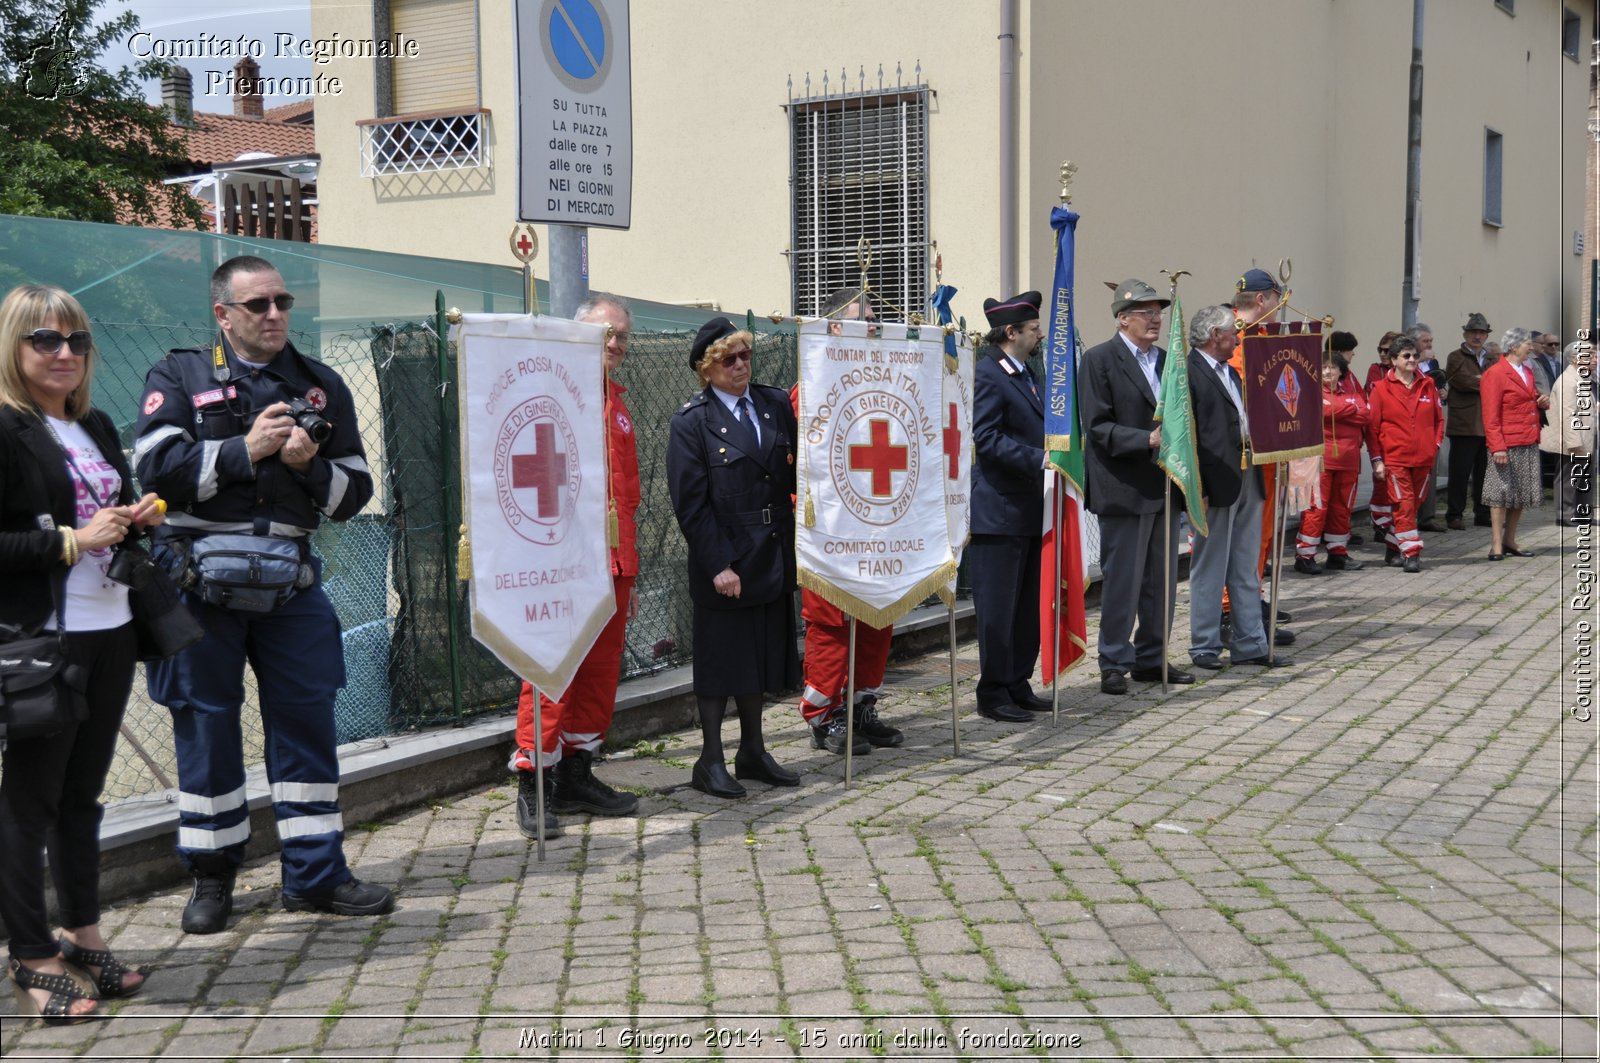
x,y
1407,426
1344,424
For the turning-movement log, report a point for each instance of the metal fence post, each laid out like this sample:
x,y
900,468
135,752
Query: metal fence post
x,y
450,471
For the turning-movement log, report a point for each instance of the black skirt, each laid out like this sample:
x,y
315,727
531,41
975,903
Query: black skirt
x,y
746,651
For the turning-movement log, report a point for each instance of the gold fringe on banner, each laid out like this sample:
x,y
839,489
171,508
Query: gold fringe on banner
x,y
1272,457
850,605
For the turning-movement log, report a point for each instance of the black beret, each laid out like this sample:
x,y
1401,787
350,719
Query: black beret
x,y
709,333
1342,341
1014,311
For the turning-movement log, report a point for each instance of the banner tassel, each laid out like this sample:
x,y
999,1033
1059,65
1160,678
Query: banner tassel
x,y
463,556
613,530
810,516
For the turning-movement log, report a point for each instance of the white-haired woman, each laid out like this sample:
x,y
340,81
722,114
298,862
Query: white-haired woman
x,y
1511,406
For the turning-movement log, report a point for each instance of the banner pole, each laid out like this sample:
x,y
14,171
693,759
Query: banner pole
x,y
1280,497
1055,616
955,726
538,771
1166,584
850,707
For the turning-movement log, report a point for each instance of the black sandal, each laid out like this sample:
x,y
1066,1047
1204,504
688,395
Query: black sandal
x,y
64,990
112,971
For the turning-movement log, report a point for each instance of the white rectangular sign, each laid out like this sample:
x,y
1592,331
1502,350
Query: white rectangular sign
x,y
574,112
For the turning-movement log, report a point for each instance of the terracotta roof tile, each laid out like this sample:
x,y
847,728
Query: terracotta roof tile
x,y
216,138
289,112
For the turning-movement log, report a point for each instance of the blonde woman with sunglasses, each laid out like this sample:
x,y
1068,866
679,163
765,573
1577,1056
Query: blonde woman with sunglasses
x,y
66,502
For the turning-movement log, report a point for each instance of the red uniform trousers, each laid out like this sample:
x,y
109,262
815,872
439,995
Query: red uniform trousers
x,y
827,658
1330,522
1406,487
582,717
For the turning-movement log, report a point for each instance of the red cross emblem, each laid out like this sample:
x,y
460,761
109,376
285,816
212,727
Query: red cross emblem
x,y
545,470
952,444
880,457
524,244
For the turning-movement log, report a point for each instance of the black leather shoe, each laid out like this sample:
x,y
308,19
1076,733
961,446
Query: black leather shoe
x,y
1283,637
832,736
352,897
1113,682
764,769
211,901
1266,662
714,779
1153,675
1266,615
1209,661
1414,564
1432,526
1032,702
1512,551
1005,713
1342,563
1307,566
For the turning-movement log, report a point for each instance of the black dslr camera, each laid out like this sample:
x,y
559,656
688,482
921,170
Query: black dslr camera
x,y
318,427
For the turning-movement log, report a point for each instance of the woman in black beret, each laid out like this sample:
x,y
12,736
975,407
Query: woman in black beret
x,y
731,473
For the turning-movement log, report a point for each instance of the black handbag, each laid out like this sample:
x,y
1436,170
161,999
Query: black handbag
x,y
40,693
162,624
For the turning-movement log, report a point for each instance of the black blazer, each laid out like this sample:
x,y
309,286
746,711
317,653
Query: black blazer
x,y
1117,413
733,501
1218,436
34,480
1008,436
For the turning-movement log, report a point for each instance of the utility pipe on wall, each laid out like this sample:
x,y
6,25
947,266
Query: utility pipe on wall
x,y
1008,148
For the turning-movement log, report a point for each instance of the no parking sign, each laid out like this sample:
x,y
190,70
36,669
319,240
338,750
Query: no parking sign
x,y
574,112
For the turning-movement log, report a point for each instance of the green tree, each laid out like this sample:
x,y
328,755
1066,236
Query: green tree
x,y
80,141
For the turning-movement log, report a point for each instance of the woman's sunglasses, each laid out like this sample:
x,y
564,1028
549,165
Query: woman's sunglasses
x,y
48,341
727,361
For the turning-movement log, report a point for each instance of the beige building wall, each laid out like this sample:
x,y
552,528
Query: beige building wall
x,y
1209,137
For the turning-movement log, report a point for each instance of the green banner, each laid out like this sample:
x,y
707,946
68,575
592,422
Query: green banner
x,y
1175,412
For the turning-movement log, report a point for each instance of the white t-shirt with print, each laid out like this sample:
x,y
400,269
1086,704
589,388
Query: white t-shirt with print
x,y
94,601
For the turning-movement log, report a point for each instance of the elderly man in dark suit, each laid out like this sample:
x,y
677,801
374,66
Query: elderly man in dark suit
x,y
1007,509
1234,495
1119,382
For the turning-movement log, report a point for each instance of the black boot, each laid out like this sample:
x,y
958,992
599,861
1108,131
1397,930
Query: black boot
x,y
528,807
211,902
577,790
831,734
870,727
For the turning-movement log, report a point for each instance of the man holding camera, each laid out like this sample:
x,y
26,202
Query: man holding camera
x,y
251,444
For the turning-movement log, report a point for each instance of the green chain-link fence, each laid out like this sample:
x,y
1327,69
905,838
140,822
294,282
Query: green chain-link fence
x,y
409,656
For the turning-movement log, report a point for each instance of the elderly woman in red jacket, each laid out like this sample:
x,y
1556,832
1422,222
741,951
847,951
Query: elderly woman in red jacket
x,y
1403,437
1511,408
1344,424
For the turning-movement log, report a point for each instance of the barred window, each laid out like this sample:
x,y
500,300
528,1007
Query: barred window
x,y
860,169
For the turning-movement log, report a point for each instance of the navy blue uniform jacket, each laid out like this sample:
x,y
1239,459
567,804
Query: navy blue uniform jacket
x,y
1008,435
190,447
732,500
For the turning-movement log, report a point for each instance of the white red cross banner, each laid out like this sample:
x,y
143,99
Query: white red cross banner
x,y
957,446
533,458
873,537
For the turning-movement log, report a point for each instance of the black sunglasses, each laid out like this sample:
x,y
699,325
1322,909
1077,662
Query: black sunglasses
x,y
48,341
728,361
259,304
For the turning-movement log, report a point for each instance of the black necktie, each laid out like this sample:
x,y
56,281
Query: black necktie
x,y
746,422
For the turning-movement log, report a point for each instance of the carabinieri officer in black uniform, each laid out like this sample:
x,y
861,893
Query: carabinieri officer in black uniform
x,y
217,440
731,472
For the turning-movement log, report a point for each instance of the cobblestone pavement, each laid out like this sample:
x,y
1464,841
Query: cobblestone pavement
x,y
1385,851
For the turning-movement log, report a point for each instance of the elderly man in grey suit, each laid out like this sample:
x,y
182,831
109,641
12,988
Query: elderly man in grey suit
x,y
1119,382
1234,496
